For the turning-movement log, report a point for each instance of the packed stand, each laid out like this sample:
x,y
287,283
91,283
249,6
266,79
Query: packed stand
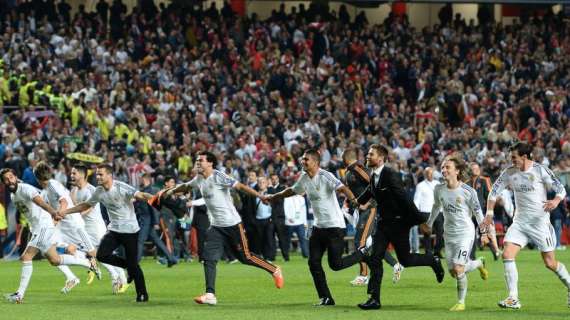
x,y
147,89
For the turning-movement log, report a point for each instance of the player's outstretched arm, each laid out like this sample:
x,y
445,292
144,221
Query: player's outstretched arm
x,y
38,200
280,195
181,188
78,208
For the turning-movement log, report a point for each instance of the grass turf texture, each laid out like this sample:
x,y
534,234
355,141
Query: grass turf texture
x,y
248,293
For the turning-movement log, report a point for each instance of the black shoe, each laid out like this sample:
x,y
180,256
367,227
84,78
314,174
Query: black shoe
x,y
370,304
325,302
171,263
438,269
143,297
129,279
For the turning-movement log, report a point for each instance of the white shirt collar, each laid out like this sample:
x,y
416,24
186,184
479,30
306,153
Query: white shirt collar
x,y
378,170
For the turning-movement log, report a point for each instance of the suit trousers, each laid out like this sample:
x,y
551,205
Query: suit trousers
x,y
398,235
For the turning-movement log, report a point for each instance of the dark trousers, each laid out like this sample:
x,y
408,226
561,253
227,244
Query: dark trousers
x,y
398,235
280,229
265,236
234,240
366,227
111,241
147,231
437,230
201,223
331,240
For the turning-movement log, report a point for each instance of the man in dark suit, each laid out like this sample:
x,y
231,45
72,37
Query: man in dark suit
x,y
278,217
482,185
247,213
397,213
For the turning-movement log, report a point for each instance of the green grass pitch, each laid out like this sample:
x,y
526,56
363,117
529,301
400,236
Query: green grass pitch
x,y
248,293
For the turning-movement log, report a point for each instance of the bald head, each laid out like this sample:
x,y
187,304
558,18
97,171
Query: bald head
x,y
428,173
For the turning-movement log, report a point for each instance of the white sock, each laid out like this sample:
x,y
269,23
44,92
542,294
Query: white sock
x,y
25,277
69,275
512,278
80,254
112,271
67,260
563,275
122,275
461,288
472,265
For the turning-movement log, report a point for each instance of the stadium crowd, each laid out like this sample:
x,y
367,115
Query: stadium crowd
x,y
146,90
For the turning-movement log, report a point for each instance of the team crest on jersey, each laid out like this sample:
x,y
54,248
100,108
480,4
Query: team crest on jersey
x,y
531,178
458,200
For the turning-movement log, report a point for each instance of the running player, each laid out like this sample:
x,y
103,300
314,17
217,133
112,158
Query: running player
x,y
459,203
226,228
30,203
72,227
94,225
529,181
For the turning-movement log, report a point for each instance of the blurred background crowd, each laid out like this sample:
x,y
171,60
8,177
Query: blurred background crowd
x,y
148,88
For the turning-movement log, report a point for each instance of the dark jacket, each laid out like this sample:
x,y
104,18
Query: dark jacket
x,y
277,209
394,204
482,185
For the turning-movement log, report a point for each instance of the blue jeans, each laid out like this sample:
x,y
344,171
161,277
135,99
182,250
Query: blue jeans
x,y
557,224
147,231
299,230
414,239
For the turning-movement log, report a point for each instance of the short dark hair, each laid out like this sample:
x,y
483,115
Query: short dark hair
x,y
42,171
107,166
6,170
383,151
81,168
523,149
210,157
167,178
349,154
314,153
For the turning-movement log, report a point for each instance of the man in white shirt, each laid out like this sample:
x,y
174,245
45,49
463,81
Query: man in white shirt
x,y
94,224
71,228
328,233
459,203
226,228
29,202
529,182
123,228
296,221
423,199
264,224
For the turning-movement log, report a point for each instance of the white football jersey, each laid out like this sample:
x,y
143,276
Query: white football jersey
x,y
93,220
119,203
23,201
215,191
529,188
321,191
458,205
53,193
